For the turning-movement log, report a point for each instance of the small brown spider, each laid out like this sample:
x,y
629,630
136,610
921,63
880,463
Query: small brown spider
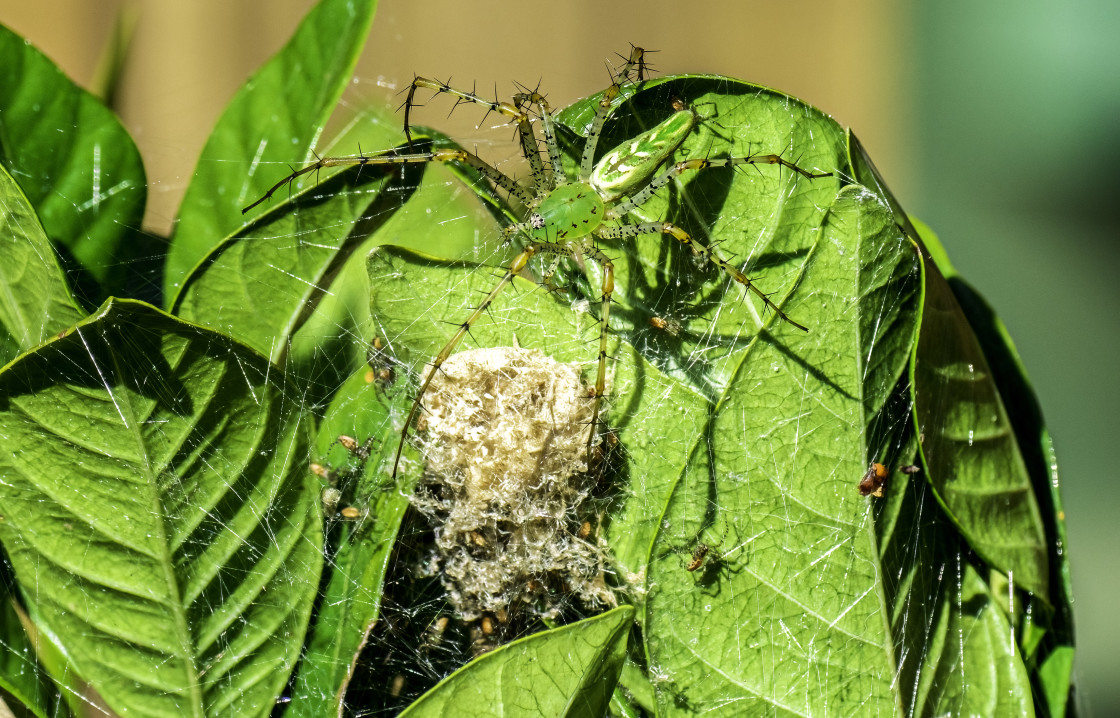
x,y
874,481
703,552
358,451
670,326
698,556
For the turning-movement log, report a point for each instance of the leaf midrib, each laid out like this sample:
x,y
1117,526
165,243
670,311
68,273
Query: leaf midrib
x,y
126,404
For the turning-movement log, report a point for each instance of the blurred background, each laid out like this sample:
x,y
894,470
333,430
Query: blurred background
x,y
995,123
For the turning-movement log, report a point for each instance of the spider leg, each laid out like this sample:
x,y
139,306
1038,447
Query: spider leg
x,y
513,111
549,272
627,231
502,108
391,159
314,167
595,254
587,163
680,168
642,65
548,128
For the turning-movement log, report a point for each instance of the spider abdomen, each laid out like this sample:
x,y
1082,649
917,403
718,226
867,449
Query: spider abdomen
x,y
631,165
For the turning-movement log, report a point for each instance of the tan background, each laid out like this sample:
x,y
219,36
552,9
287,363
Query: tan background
x,y
187,59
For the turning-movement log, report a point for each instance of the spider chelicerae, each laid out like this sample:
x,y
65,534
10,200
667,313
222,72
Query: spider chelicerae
x,y
560,216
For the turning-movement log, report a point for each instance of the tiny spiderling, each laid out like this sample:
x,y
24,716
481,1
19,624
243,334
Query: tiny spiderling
x,y
703,552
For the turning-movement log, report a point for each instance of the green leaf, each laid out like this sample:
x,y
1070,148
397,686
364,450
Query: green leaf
x,y
772,485
35,656
159,513
1045,624
1055,677
1053,663
21,676
569,671
970,450
979,470
262,284
35,299
293,283
274,119
847,272
954,649
77,165
350,603
333,340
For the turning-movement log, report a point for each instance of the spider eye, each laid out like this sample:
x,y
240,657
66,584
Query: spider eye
x,y
536,220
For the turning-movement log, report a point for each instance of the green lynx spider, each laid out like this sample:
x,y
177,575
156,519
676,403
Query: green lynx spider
x,y
562,217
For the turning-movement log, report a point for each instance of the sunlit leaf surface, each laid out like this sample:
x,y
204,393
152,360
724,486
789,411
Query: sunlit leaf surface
x,y
273,121
263,283
35,300
159,513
